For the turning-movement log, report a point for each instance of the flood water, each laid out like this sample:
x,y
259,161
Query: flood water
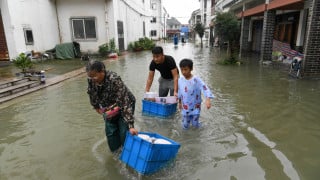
x,y
51,67
263,125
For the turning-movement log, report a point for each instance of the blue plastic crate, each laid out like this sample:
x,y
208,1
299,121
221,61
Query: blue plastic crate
x,y
158,109
145,157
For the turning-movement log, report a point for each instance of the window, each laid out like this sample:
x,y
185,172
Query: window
x,y
153,33
83,28
153,20
28,36
153,6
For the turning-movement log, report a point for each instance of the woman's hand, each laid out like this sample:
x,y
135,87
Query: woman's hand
x,y
99,110
113,112
133,131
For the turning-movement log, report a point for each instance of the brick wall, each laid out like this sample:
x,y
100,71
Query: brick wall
x,y
3,43
267,35
244,44
311,63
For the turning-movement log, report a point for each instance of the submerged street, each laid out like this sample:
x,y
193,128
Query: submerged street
x,y
263,124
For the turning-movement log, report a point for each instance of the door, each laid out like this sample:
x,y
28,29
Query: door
x,y
120,35
256,35
3,42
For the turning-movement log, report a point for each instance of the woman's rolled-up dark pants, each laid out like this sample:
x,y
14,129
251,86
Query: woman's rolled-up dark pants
x,y
116,129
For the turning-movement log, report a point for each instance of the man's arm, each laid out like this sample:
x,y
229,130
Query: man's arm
x,y
175,80
149,81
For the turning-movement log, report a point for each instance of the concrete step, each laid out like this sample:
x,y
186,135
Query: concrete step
x,y
37,85
12,82
16,88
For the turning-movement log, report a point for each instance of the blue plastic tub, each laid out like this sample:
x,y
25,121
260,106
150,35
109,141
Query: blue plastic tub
x,y
158,109
146,157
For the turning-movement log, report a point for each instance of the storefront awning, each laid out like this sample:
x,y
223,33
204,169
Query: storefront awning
x,y
275,4
285,4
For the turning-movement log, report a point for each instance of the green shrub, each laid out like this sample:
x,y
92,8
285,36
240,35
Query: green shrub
x,y
112,45
23,62
226,59
104,49
141,44
108,48
130,46
147,43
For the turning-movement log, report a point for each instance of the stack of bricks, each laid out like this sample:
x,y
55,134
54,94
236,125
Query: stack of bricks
x,y
267,35
311,66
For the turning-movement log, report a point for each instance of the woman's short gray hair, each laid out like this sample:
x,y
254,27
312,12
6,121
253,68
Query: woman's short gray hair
x,y
97,66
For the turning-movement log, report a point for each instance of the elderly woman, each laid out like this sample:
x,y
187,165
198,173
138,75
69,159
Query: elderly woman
x,y
111,98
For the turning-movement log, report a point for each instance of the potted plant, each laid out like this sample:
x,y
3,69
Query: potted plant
x,y
23,62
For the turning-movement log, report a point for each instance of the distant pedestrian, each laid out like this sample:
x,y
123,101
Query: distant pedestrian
x,y
166,65
111,98
175,40
190,88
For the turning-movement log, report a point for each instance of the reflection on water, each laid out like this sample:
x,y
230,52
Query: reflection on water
x,y
262,125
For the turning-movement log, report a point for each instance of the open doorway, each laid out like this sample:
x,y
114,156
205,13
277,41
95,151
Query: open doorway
x,y
120,35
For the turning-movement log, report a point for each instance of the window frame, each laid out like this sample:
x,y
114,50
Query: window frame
x,y
83,19
26,39
153,33
154,6
153,20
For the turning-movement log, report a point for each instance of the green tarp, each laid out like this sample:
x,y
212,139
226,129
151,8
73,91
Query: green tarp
x,y
67,50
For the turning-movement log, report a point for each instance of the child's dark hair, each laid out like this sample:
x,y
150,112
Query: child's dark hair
x,y
157,50
186,63
97,66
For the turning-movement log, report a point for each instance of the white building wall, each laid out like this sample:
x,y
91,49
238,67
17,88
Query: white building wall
x,y
205,19
50,22
160,22
164,22
38,15
68,9
156,12
221,3
107,13
132,14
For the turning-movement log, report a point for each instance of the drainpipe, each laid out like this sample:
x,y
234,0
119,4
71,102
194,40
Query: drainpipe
x,y
59,31
106,20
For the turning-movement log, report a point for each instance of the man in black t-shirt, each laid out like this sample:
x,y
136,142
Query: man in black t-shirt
x,y
169,73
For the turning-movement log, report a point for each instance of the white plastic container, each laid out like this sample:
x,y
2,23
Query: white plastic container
x,y
166,100
150,95
160,99
171,99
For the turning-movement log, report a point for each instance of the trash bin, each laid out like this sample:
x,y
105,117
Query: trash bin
x,y
42,77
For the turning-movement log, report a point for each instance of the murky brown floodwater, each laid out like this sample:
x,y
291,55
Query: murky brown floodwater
x,y
263,125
